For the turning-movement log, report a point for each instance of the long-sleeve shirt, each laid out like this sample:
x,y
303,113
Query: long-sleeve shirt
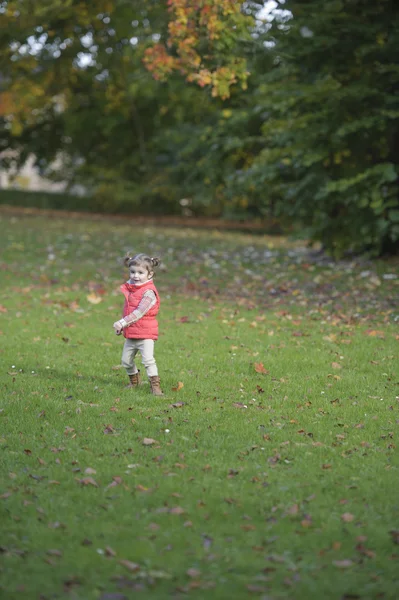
x,y
148,300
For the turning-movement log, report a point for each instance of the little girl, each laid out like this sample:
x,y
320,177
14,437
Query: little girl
x,y
139,324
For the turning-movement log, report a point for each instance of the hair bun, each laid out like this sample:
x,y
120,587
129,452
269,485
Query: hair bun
x,y
127,259
155,261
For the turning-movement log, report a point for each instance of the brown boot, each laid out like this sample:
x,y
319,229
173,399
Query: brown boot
x,y
135,380
155,386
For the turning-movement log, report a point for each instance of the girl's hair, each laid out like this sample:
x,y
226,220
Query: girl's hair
x,y
142,260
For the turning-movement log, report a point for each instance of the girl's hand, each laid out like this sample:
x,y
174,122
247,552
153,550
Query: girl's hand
x,y
117,328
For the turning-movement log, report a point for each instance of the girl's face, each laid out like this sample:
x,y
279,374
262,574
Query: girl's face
x,y
140,275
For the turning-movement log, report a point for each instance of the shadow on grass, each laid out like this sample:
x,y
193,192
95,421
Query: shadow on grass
x,y
66,377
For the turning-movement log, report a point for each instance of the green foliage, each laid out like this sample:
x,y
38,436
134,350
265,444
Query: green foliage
x,y
331,136
314,141
44,200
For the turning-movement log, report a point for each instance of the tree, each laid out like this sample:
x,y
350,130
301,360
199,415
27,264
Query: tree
x,y
47,48
330,155
88,80
314,140
201,33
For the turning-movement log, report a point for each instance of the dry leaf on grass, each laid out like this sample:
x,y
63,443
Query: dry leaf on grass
x,y
88,481
177,510
259,368
149,442
347,517
178,387
94,299
343,564
130,566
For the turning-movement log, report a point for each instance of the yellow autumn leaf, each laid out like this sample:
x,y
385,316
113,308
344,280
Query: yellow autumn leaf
x,y
94,299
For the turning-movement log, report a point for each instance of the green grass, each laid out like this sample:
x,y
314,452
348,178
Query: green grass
x,y
274,469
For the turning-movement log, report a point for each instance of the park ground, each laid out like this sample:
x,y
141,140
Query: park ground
x,y
270,467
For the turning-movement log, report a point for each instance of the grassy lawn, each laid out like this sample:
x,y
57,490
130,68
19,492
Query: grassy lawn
x,y
270,467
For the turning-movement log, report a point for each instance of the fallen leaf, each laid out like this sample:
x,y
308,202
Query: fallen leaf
x,y
88,481
177,510
142,488
293,510
336,545
394,533
343,564
347,517
57,525
86,542
54,552
336,365
259,368
193,573
179,386
375,333
206,541
130,566
94,298
330,338
149,442
255,588
115,481
365,551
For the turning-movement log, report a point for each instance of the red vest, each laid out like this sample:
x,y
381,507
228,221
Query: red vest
x,y
145,328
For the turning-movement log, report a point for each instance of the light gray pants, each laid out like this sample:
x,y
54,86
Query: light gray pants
x,y
146,349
